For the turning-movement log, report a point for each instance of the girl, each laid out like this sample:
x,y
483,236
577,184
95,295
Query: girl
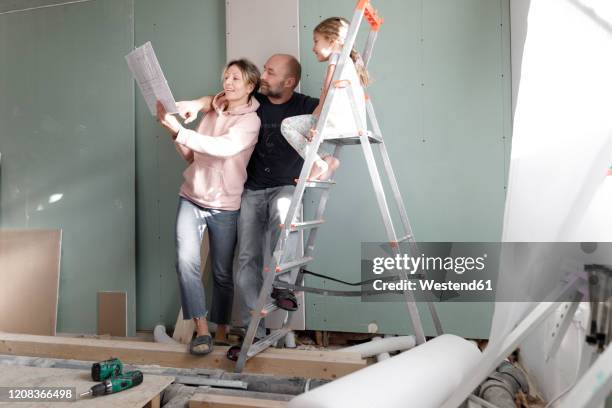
x,y
329,37
217,154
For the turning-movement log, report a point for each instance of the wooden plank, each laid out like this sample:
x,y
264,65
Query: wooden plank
x,y
112,313
137,397
29,272
285,362
229,401
154,403
183,329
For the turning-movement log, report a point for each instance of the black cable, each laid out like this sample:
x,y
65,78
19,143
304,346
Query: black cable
x,y
365,282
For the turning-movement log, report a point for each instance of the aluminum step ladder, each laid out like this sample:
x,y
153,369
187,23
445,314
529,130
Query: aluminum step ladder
x,y
366,139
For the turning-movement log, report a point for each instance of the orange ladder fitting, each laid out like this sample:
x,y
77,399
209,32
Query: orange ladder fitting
x,y
374,20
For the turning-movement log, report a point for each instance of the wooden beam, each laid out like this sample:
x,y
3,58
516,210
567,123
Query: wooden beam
x,y
285,362
230,401
154,403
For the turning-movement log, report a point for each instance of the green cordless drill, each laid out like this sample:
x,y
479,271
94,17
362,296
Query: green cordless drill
x,y
106,369
115,384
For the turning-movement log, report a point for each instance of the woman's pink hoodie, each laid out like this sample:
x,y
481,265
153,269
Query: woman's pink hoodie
x,y
219,152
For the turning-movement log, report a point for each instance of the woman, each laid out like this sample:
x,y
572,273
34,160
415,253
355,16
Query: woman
x,y
218,154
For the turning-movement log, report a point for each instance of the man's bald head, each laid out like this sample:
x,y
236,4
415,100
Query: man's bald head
x,y
281,75
292,66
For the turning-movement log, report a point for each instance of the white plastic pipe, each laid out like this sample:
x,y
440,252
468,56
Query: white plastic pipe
x,y
290,340
382,356
422,377
379,345
160,336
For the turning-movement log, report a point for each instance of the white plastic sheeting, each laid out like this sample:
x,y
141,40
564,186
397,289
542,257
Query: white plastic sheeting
x,y
562,142
421,377
561,150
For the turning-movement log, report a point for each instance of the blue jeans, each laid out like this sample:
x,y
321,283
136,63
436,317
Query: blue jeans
x,y
261,212
191,223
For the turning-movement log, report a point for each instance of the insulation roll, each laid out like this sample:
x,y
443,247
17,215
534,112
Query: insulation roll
x,y
421,377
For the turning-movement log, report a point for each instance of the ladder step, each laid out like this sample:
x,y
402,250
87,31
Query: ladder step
x,y
293,264
317,184
405,238
303,225
267,341
350,138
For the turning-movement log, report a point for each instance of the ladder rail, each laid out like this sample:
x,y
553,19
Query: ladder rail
x,y
399,202
369,47
373,170
389,170
413,310
320,126
264,294
318,138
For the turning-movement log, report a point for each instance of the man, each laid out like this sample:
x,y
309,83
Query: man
x,y
272,171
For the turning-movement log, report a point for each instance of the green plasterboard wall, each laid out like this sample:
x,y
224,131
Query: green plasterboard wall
x,y
189,40
67,143
441,91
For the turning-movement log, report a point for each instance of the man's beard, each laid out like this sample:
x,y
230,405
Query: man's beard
x,y
268,91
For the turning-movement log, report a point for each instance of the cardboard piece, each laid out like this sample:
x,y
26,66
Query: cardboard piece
x,y
112,313
29,272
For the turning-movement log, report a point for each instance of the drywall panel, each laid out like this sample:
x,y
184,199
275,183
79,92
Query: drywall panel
x,y
192,55
67,143
15,6
258,29
29,272
441,91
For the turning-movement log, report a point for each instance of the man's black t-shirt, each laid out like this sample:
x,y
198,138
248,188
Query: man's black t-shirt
x,y
274,162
